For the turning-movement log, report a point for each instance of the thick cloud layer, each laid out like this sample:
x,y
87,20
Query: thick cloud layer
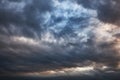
x,y
108,11
59,37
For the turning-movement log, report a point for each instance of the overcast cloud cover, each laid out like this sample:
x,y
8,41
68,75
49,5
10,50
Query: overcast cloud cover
x,y
60,39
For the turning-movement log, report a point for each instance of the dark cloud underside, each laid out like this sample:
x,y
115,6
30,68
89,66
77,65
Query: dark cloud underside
x,y
44,35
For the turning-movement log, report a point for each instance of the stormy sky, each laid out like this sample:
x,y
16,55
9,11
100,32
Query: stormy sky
x,y
60,39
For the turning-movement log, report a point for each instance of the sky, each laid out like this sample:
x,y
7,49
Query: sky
x,y
59,39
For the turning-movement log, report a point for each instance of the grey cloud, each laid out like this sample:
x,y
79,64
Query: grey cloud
x,y
98,76
26,15
47,37
108,11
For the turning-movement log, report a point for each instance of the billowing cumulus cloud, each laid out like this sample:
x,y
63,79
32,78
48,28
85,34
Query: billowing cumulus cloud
x,y
59,38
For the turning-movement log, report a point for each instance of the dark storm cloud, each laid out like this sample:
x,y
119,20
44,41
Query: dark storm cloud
x,y
32,12
98,76
18,18
108,10
23,58
40,35
26,15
